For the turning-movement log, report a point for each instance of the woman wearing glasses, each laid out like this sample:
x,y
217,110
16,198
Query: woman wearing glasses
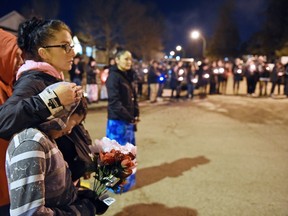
x,y
48,52
30,108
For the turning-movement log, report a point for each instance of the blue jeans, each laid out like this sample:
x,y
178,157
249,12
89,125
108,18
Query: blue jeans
x,y
122,132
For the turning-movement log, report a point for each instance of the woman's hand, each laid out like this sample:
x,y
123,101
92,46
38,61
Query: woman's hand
x,y
68,93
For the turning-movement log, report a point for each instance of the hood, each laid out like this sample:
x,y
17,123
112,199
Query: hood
x,y
8,47
39,66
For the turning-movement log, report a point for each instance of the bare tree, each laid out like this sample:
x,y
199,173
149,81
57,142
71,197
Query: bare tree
x,y
121,23
145,38
43,9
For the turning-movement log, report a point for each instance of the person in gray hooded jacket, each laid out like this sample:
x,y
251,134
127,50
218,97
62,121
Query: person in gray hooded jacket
x,y
39,179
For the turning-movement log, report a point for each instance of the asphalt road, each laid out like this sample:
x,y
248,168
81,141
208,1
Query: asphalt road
x,y
218,156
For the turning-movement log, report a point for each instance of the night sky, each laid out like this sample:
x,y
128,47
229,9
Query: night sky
x,y
181,16
184,15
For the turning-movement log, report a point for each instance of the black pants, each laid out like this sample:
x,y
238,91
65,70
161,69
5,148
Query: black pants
x,y
251,84
274,84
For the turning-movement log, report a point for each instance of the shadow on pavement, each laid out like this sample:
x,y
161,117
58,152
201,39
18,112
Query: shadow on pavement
x,y
154,174
155,209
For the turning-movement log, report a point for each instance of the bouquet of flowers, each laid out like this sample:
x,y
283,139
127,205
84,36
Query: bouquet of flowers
x,y
113,164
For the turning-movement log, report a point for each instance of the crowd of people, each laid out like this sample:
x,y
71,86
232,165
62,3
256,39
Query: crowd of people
x,y
182,78
44,144
211,77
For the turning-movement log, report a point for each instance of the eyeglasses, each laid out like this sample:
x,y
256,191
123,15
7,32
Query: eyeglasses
x,y
66,47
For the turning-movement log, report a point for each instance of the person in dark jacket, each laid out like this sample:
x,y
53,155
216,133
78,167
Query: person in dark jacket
x,y
77,70
286,80
251,76
91,85
264,78
237,75
191,73
47,56
49,189
123,109
153,81
276,77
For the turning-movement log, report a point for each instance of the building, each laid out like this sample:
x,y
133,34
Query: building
x,y
11,21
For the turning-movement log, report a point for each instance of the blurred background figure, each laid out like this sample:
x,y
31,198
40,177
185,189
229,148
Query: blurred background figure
x,y
153,81
191,75
180,71
264,78
103,76
250,74
77,70
237,75
173,79
162,79
204,77
214,78
91,85
277,76
222,77
286,80
140,80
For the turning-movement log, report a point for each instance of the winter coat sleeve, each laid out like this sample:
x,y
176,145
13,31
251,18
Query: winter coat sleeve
x,y
136,105
135,96
23,109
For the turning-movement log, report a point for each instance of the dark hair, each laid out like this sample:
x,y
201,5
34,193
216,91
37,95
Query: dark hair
x,y
35,33
78,55
91,59
120,53
82,108
59,123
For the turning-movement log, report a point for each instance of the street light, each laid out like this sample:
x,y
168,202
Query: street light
x,y
195,35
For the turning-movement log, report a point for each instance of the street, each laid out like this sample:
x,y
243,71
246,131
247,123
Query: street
x,y
223,155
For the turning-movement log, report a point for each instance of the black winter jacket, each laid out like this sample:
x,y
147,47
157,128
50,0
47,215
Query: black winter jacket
x,y
90,75
15,118
122,97
17,114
